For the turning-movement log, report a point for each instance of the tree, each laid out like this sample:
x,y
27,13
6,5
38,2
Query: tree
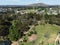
x,y
13,31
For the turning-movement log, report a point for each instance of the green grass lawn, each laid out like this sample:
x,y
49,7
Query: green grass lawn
x,y
30,10
47,29
42,30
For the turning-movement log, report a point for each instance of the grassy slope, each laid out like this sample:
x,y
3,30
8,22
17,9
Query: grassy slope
x,y
50,30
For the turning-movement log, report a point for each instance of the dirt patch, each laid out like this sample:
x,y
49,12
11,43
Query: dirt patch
x,y
15,43
52,39
33,37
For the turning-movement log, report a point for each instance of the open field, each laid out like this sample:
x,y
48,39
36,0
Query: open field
x,y
46,34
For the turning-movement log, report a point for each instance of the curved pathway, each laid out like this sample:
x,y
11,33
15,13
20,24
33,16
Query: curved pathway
x,y
57,39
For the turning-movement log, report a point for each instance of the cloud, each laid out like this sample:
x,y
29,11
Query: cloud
x,y
37,0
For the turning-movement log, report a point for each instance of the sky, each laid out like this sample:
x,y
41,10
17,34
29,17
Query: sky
x,y
26,2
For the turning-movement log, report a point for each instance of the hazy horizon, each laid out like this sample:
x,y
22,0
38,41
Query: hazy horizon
x,y
27,2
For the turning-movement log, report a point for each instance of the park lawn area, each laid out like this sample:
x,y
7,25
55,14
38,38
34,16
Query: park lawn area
x,y
50,30
46,33
30,10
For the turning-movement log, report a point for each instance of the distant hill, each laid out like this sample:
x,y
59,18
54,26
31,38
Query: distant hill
x,y
43,5
38,4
